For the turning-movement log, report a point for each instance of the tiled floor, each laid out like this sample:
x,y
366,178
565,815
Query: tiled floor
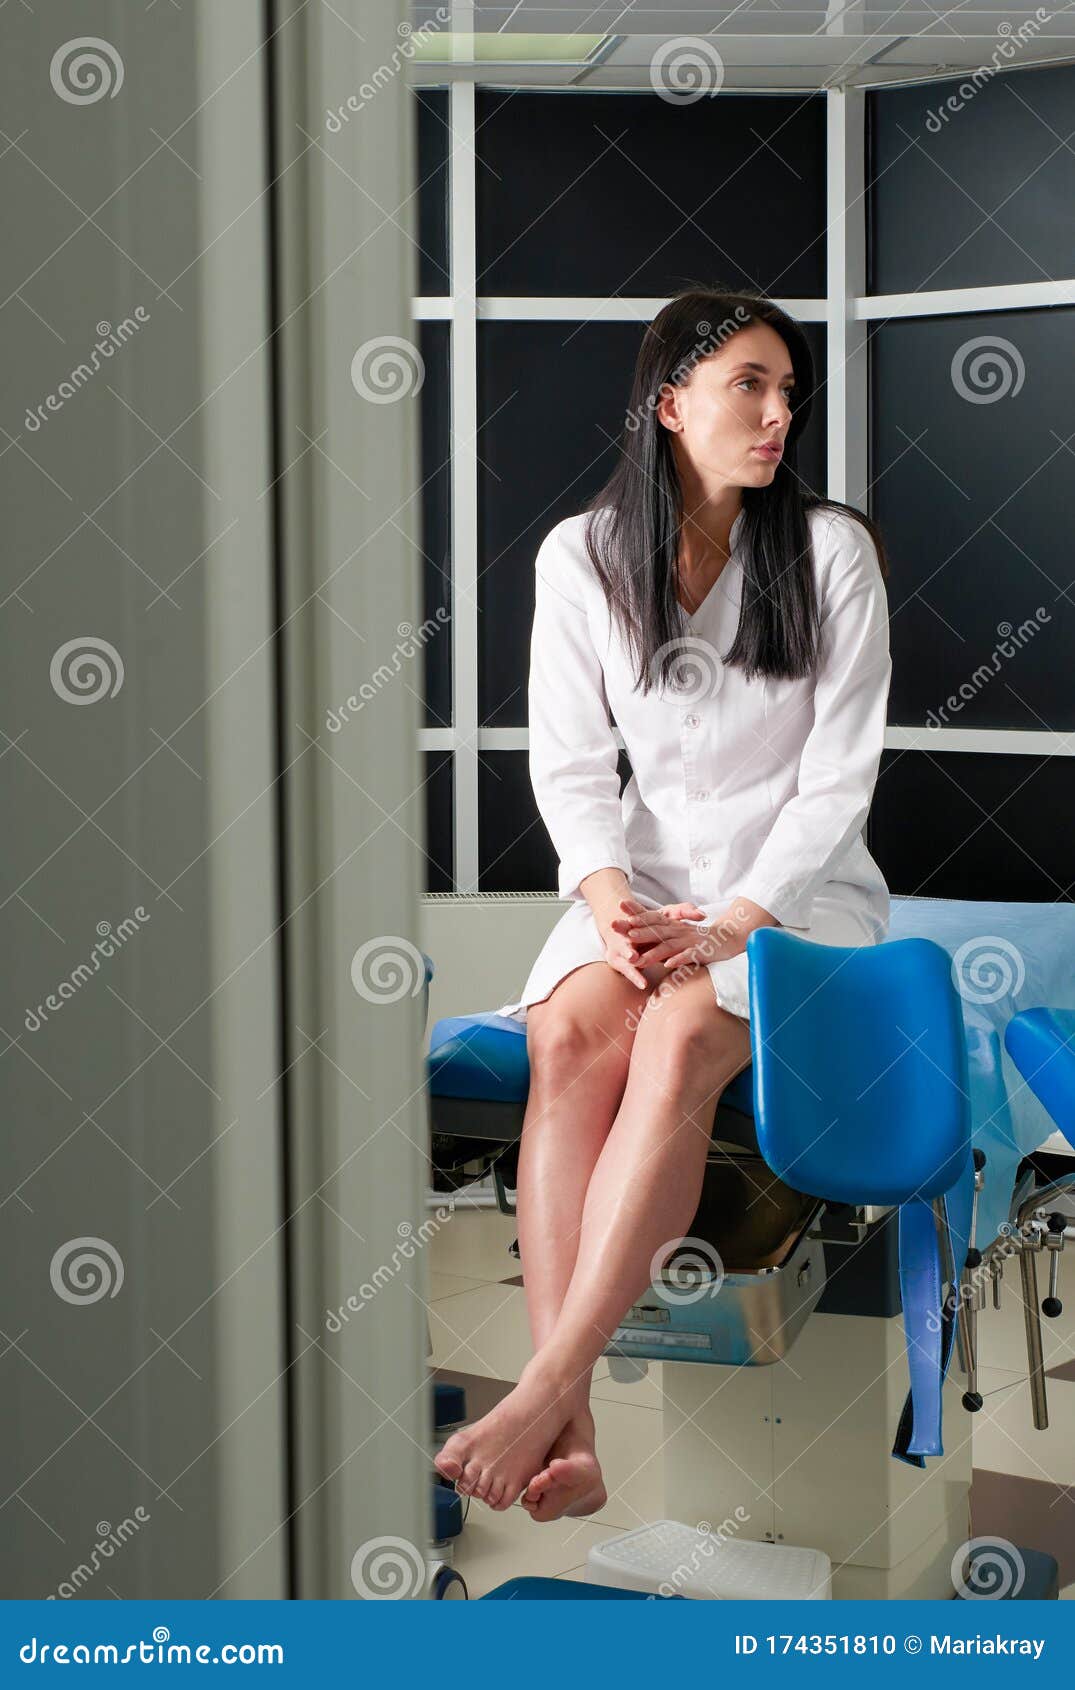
x,y
480,1338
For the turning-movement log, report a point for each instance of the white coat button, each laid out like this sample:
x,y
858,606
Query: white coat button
x,y
692,720
701,862
701,794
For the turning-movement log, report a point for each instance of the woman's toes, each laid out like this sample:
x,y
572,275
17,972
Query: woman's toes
x,y
494,1493
447,1465
505,1497
538,1485
472,1472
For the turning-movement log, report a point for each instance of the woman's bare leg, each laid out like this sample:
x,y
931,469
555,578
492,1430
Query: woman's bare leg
x,y
579,1043
645,1188
579,1040
642,1195
725,1048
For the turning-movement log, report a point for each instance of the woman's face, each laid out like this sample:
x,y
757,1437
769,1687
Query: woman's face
x,y
734,402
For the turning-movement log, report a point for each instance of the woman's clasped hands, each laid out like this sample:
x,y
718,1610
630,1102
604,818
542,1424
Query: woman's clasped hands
x,y
646,944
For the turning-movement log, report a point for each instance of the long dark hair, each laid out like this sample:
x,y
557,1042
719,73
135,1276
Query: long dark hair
x,y
635,548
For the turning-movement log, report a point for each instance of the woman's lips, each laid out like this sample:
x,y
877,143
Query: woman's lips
x,y
769,451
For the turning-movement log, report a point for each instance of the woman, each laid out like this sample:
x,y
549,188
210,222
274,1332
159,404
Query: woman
x,y
736,627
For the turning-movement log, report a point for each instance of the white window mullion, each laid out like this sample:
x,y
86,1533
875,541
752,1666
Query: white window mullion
x,y
947,302
846,379
1015,742
1011,742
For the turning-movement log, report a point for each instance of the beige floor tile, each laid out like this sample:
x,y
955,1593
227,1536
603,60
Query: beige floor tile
x,y
629,1448
494,1547
475,1243
579,1575
481,1331
641,1393
1005,1438
443,1285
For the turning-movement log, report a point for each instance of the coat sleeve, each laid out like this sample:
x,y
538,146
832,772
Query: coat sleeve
x,y
573,752
839,761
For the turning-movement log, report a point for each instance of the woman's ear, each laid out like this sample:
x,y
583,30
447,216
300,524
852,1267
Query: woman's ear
x,y
667,408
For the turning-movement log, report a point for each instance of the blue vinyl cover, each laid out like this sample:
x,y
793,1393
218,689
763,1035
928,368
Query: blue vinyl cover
x,y
1005,958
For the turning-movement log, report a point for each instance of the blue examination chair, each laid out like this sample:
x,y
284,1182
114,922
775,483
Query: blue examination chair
x,y
869,1176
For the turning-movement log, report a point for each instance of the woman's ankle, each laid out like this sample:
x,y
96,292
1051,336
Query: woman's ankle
x,y
567,1384
583,1421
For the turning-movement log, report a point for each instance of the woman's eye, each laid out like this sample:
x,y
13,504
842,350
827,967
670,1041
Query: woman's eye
x,y
749,381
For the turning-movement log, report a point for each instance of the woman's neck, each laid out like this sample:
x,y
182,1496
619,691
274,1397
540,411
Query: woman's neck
x,y
702,559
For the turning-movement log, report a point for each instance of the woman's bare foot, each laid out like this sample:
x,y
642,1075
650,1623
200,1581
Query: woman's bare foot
x,y
497,1456
570,1482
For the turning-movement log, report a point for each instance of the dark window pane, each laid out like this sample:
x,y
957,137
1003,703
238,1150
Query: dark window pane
x,y
609,193
515,852
973,197
435,508
977,505
437,794
975,825
431,115
551,404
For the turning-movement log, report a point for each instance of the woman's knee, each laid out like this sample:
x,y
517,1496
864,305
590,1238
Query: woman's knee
x,y
564,1038
690,1045
560,1042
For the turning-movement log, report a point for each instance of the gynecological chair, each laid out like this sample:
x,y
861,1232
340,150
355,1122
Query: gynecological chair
x,y
868,1178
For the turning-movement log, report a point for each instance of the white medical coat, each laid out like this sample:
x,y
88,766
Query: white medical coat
x,y
758,789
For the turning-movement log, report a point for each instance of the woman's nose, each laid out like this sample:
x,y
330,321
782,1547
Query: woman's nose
x,y
777,413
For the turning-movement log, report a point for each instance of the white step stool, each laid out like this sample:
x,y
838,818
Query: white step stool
x,y
672,1559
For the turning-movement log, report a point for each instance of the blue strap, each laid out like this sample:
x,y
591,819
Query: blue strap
x,y
919,1431
929,1328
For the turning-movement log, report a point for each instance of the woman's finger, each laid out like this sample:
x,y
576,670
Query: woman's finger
x,y
634,935
657,953
657,930
621,956
629,972
684,959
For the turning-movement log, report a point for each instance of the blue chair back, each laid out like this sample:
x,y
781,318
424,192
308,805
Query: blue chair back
x,y
860,1067
861,1096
